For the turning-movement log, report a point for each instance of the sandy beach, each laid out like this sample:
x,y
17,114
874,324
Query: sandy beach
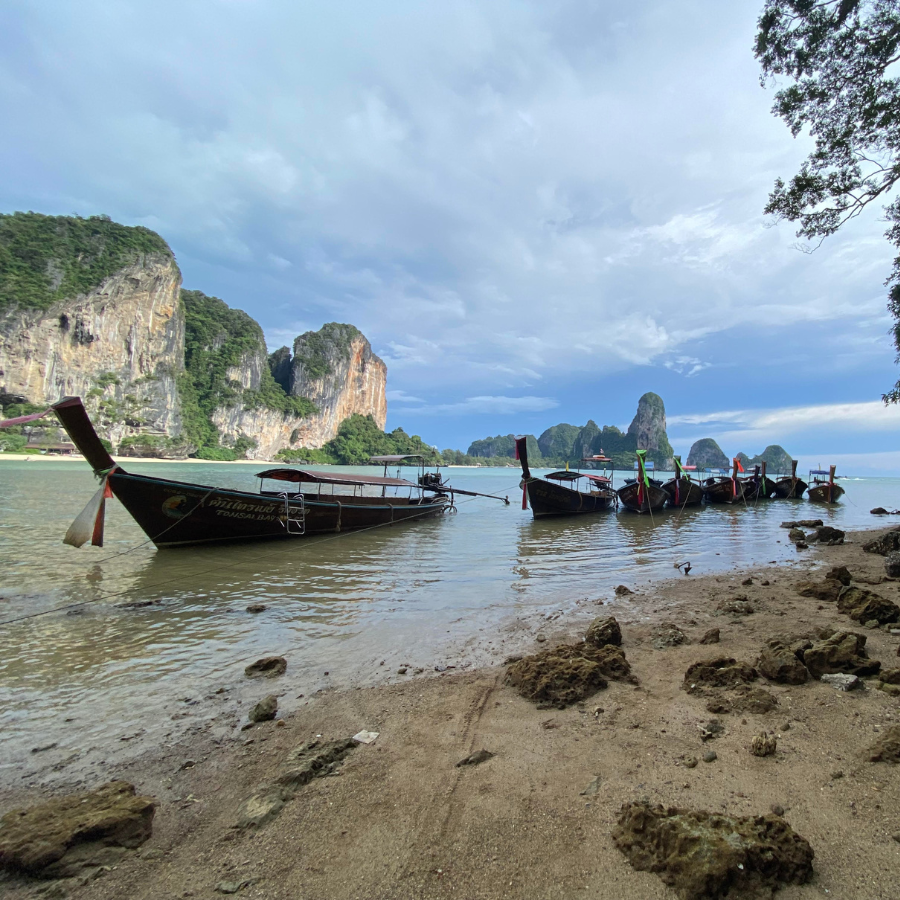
x,y
398,818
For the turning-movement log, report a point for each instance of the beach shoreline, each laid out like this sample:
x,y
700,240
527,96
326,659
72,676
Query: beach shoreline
x,y
402,820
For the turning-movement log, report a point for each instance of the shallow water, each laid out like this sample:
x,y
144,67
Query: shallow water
x,y
95,675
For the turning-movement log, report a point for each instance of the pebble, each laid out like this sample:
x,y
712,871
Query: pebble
x,y
837,774
690,762
541,638
777,809
843,682
401,670
710,756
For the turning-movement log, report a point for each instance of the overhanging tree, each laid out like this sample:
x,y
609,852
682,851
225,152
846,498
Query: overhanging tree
x,y
843,60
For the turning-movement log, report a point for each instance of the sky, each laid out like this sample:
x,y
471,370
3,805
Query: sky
x,y
535,211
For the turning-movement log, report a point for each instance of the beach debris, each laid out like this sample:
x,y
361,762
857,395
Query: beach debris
x,y
862,605
839,573
257,608
366,737
62,837
689,762
476,758
667,635
827,590
704,855
711,729
843,682
844,651
778,662
735,606
887,543
592,787
710,637
892,565
764,744
827,535
721,671
803,523
265,710
267,667
887,747
623,591
604,630
684,567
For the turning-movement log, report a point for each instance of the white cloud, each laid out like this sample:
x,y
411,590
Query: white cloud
x,y
497,406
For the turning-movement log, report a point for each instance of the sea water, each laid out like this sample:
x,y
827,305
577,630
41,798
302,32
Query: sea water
x,y
105,649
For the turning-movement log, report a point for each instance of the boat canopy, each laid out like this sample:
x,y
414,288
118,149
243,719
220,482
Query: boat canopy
x,y
307,475
819,472
600,458
574,476
396,458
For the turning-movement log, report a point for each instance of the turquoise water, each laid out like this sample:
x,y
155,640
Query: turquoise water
x,y
439,592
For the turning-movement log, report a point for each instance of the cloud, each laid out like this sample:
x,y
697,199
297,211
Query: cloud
x,y
502,406
498,194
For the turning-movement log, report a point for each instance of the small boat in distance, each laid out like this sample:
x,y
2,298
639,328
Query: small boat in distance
x,y
724,489
552,498
179,514
681,489
643,494
790,487
821,491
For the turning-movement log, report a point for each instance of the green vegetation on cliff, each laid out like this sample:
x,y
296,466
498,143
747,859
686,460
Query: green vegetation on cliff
x,y
358,438
48,258
314,350
218,338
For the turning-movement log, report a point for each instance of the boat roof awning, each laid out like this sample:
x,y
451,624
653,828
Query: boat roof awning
x,y
574,476
603,459
395,458
819,471
309,476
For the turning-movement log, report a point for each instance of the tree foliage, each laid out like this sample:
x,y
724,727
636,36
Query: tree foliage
x,y
44,259
840,57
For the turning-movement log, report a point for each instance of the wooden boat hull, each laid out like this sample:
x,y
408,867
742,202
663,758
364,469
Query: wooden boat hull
x,y
825,493
761,488
549,499
178,514
689,493
652,499
723,492
789,488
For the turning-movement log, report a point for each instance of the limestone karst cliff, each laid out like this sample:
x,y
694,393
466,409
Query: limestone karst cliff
x,y
707,454
92,308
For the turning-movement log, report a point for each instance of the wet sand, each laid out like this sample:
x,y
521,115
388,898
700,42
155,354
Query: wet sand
x,y
400,820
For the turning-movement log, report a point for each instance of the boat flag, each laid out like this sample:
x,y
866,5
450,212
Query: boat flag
x,y
739,466
643,479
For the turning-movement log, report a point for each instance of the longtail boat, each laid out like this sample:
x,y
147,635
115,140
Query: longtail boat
x,y
790,487
822,491
758,486
724,489
178,514
643,495
681,489
550,497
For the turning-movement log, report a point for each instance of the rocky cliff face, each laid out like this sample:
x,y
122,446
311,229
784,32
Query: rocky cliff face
x,y
336,370
120,346
649,430
92,308
707,454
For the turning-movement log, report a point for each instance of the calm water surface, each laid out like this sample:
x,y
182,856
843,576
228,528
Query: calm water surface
x,y
353,606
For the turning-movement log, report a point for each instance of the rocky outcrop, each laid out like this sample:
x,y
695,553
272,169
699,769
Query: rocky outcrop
x,y
649,428
120,346
707,454
336,369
